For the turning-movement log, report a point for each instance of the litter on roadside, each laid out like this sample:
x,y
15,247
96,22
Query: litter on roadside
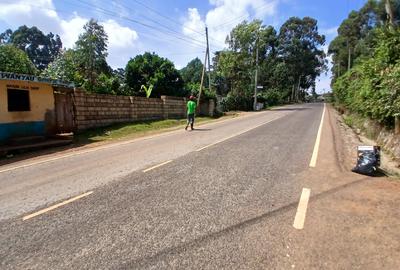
x,y
368,160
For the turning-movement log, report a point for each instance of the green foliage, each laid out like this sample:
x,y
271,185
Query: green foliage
x,y
15,60
357,34
372,88
294,57
152,69
273,97
192,72
91,50
300,46
41,49
107,85
65,68
147,90
236,102
348,120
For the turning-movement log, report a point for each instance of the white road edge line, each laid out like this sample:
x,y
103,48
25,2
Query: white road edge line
x,y
302,209
56,206
237,134
156,166
313,161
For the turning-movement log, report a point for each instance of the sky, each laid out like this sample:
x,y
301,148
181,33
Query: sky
x,y
171,28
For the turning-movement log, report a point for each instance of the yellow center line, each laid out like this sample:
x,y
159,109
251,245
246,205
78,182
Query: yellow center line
x,y
313,161
302,209
156,166
56,206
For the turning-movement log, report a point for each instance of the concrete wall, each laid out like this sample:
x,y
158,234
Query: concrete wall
x,y
40,120
97,110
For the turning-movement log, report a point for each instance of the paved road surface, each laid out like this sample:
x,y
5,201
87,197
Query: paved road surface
x,y
230,205
24,189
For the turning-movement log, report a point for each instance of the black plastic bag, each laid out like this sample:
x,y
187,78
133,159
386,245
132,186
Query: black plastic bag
x,y
368,160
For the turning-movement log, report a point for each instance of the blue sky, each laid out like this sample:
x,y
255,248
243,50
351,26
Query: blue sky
x,y
173,29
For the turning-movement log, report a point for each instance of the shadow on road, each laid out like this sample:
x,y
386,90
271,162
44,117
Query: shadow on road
x,y
146,261
291,109
201,129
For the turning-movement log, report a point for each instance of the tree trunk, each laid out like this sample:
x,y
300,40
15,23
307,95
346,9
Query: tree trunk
x,y
389,12
397,125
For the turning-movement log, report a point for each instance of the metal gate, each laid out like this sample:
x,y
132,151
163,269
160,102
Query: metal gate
x,y
64,110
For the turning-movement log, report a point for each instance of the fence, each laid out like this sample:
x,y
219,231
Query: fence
x,y
98,110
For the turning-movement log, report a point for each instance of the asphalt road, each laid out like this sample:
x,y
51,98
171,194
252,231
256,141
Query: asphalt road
x,y
230,205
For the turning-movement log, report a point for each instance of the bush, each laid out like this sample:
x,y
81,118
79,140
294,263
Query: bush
x,y
273,97
372,88
236,102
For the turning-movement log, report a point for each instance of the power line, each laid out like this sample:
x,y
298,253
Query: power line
x,y
239,17
169,18
113,14
160,24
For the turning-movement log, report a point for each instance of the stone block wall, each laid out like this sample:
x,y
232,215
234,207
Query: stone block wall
x,y
98,110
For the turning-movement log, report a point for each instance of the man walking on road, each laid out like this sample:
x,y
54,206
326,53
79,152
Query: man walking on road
x,y
191,109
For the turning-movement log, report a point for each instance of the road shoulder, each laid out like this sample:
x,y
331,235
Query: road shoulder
x,y
352,220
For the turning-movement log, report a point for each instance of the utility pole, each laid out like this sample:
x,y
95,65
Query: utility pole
x,y
204,70
256,78
209,64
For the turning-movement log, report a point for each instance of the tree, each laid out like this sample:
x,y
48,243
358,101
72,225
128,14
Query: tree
x,y
41,49
151,69
236,66
15,60
91,49
65,68
192,72
356,38
300,48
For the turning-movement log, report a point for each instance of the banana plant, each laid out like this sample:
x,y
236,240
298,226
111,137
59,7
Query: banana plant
x,y
147,89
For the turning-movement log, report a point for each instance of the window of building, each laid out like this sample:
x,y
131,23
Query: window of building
x,y
18,100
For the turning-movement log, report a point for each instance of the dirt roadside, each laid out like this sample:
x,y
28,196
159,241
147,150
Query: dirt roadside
x,y
353,221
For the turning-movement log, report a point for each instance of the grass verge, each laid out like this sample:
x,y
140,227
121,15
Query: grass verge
x,y
133,129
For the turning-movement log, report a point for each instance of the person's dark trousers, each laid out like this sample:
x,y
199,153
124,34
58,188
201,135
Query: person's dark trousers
x,y
190,120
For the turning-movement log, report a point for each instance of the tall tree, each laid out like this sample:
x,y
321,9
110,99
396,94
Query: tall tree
x,y
41,49
357,34
192,72
150,69
237,64
300,47
91,49
15,60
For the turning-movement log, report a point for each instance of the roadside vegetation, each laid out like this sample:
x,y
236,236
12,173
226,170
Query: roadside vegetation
x,y
289,61
366,63
132,130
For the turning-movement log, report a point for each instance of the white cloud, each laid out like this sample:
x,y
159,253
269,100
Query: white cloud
x,y
71,29
122,43
41,13
329,32
323,83
194,23
225,15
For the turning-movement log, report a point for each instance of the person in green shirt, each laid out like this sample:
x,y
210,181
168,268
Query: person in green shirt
x,y
191,109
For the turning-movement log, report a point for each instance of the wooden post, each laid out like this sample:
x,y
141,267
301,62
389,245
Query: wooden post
x,y
203,71
397,125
